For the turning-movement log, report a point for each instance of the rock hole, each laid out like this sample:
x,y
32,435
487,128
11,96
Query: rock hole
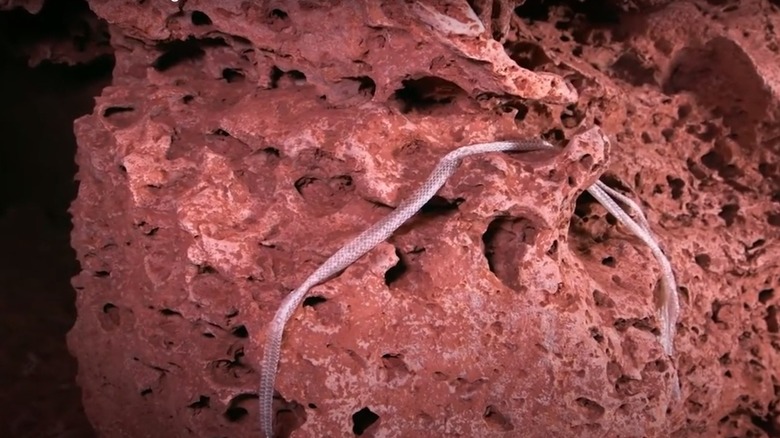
x,y
235,411
684,110
602,300
583,206
240,332
553,251
202,403
767,170
101,274
112,110
278,13
313,301
614,182
593,410
325,194
695,169
219,132
394,365
271,151
713,160
772,321
765,295
769,424
506,241
296,75
715,311
676,185
301,183
555,135
169,312
199,18
286,79
426,93
643,324
362,420
233,75
534,11
110,317
587,161
626,386
705,131
595,333
230,372
729,213
773,219
439,205
684,294
608,261
571,117
312,406
290,415
395,272
522,111
520,108
278,20
703,260
177,52
146,391
276,74
366,87
527,55
206,269
496,419
475,7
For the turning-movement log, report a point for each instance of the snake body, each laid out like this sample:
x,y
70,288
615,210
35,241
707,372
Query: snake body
x,y
380,231
359,246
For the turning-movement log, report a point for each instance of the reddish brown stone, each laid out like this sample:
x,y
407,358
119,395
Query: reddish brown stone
x,y
241,145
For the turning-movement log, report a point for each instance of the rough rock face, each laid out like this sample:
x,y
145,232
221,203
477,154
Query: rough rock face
x,y
243,143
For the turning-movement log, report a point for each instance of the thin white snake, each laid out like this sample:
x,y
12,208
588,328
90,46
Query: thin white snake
x,y
356,248
383,229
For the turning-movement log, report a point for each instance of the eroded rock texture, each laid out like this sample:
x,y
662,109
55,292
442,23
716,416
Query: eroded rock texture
x,y
244,142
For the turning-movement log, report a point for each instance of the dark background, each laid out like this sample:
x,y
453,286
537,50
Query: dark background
x,y
39,396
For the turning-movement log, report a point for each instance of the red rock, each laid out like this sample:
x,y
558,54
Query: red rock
x,y
241,145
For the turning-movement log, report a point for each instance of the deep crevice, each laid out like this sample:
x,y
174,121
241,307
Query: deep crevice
x,y
505,242
313,301
362,420
426,93
202,403
200,18
394,273
177,52
235,412
439,205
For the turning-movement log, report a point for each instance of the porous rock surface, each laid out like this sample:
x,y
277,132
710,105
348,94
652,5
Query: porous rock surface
x,y
242,143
